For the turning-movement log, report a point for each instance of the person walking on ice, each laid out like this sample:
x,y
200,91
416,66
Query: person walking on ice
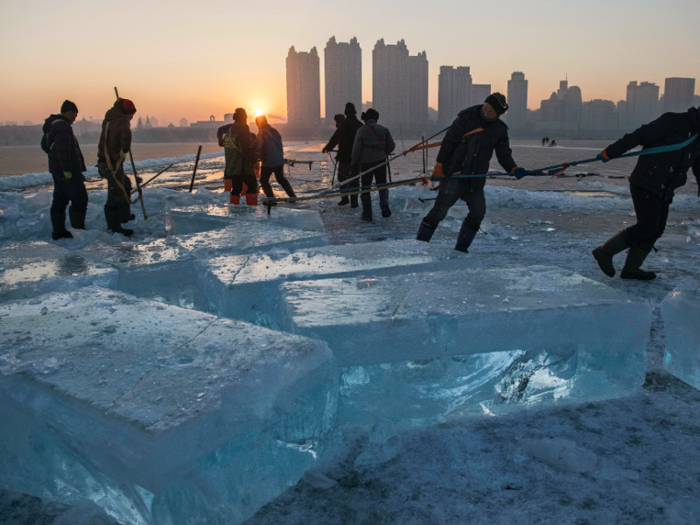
x,y
271,150
467,149
652,184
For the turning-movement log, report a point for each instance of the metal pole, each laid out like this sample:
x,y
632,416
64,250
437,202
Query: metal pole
x,y
194,171
423,153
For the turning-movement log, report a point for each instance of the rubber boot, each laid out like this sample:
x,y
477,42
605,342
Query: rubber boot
x,y
635,258
464,238
604,254
343,201
251,199
114,223
425,232
58,221
228,183
353,201
77,219
386,212
235,199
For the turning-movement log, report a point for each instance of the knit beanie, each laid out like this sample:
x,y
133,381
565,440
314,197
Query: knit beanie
x,y
240,115
126,106
497,102
371,114
68,106
350,109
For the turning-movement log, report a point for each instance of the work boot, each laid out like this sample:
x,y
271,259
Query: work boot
x,y
343,201
367,211
130,217
235,199
386,212
425,233
353,201
464,238
635,258
614,245
251,199
115,225
58,221
77,218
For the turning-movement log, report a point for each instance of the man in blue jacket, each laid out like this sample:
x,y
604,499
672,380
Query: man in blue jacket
x,y
66,164
652,183
271,151
467,149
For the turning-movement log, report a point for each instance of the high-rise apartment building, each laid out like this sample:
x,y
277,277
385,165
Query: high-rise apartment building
x,y
598,115
400,86
480,93
454,93
516,117
343,65
303,89
642,104
678,94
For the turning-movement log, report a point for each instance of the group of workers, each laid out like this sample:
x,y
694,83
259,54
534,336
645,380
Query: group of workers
x,y
469,144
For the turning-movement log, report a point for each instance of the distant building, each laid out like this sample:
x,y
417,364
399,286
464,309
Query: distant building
x,y
148,124
228,118
561,112
454,93
11,123
679,94
432,114
83,126
480,92
696,101
303,89
598,115
400,86
28,123
516,117
154,122
184,123
366,105
642,105
211,123
343,74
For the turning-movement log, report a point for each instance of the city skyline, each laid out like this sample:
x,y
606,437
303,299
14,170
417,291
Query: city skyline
x,y
191,64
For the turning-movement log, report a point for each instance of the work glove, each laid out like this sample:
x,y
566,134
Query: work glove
x,y
519,173
138,179
123,155
67,174
603,155
325,150
437,170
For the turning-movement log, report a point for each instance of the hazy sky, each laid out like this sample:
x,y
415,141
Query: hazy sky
x,y
192,59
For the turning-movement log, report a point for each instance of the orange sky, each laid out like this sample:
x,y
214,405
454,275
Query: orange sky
x,y
193,59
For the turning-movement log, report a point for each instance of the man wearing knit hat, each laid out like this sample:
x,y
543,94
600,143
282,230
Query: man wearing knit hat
x,y
467,149
115,143
344,138
66,165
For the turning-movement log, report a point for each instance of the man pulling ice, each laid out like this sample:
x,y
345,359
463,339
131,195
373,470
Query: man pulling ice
x,y
467,149
652,183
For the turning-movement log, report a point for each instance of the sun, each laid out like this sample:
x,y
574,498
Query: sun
x,y
258,112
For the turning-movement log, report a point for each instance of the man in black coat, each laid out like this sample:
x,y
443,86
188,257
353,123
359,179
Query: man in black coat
x,y
652,183
467,149
66,164
344,137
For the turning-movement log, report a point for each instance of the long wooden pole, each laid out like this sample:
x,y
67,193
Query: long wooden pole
x,y
194,171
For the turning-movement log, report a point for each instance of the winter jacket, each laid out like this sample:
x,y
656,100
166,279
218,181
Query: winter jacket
x,y
373,143
62,146
344,138
240,149
269,142
662,173
117,137
472,154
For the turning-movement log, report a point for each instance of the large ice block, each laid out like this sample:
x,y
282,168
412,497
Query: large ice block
x,y
166,269
681,311
35,268
422,347
195,219
158,414
247,287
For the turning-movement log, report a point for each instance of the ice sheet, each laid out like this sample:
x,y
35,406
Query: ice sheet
x,y
35,268
422,347
209,217
246,287
681,311
125,401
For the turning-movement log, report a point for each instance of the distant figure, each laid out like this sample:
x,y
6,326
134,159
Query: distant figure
x,y
338,119
467,149
66,164
373,144
544,140
271,151
344,138
547,139
115,143
241,156
553,144
652,183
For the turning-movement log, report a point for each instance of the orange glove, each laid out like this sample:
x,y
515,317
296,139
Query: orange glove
x,y
437,170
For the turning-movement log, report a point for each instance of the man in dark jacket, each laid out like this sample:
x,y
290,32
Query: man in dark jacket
x,y
652,183
373,144
344,138
115,143
271,150
467,149
241,156
66,165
